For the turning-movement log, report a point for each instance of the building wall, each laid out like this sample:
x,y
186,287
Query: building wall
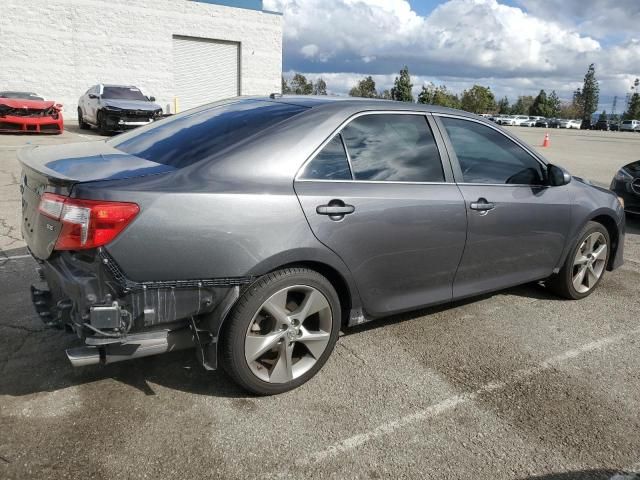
x,y
59,48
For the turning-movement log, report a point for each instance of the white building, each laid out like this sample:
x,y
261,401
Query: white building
x,y
183,52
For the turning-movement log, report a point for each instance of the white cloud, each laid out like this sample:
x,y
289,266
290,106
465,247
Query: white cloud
x,y
515,50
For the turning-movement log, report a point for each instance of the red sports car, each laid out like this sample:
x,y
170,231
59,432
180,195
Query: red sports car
x,y
28,112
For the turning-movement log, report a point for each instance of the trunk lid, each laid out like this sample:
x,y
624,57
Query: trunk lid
x,y
56,169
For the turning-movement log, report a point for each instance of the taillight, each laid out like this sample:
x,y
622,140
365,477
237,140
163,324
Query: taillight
x,y
86,223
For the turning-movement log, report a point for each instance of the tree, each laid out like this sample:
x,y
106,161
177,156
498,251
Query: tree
x,y
540,105
402,87
365,88
478,99
300,86
603,116
385,95
633,112
439,95
503,106
320,87
578,103
285,86
568,110
426,94
553,104
590,96
522,105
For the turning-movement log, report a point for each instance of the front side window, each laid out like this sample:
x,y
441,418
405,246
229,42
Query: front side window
x,y
393,147
487,156
330,164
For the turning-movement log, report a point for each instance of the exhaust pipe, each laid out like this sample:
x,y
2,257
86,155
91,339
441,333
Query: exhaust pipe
x,y
135,346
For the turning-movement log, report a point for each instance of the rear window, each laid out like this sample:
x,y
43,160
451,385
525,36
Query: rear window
x,y
198,134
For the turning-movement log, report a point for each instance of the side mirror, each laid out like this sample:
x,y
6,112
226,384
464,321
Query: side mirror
x,y
93,96
558,176
152,99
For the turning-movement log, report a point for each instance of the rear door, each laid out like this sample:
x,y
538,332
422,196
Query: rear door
x,y
518,225
380,196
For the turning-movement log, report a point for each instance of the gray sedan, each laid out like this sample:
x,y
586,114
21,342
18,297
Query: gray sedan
x,y
255,229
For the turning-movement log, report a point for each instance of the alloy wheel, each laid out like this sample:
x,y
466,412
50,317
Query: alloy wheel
x,y
288,334
589,262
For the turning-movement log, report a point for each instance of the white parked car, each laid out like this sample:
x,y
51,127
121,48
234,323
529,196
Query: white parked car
x,y
630,126
519,119
570,124
505,120
531,122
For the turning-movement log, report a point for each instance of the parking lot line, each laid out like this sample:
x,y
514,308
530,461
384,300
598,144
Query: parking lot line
x,y
15,257
450,403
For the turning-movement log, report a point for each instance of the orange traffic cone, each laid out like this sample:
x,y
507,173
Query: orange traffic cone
x,y
546,142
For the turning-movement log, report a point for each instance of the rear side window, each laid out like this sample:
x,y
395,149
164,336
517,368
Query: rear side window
x,y
487,156
393,147
198,134
330,164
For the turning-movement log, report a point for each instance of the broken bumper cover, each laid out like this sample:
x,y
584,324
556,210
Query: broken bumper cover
x,y
119,319
123,120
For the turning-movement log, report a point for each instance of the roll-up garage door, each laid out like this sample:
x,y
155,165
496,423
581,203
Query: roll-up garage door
x,y
204,70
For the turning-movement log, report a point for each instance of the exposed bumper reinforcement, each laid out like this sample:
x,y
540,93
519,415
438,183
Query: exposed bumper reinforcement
x,y
134,346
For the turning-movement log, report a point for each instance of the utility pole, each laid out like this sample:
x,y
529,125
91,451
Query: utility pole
x,y
613,107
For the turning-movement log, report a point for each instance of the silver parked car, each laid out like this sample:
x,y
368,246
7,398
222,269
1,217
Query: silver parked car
x,y
114,108
255,229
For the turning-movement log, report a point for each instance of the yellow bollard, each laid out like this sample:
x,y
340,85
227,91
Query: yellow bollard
x,y
176,105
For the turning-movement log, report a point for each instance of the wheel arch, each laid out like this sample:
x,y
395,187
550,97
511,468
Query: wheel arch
x,y
608,222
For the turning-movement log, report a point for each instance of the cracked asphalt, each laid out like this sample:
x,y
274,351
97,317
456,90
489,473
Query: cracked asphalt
x,y
517,385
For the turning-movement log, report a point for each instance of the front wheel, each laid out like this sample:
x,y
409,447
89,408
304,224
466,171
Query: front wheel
x,y
281,331
585,265
81,123
102,124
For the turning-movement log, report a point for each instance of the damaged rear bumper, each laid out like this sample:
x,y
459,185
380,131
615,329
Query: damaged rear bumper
x,y
120,319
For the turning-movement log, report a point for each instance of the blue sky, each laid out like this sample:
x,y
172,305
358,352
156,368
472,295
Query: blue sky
x,y
514,46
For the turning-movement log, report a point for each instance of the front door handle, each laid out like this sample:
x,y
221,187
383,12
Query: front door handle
x,y
336,209
482,205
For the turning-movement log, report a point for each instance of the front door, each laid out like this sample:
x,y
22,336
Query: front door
x,y
378,196
518,224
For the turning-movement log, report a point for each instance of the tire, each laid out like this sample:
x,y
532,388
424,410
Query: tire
x,y
255,342
583,256
81,123
102,124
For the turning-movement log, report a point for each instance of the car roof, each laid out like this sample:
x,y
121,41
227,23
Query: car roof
x,y
333,102
111,85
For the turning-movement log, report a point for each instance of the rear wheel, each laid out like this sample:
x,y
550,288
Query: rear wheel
x,y
585,265
281,331
83,125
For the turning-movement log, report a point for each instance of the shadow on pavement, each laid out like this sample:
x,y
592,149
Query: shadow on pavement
x,y
75,128
633,224
588,475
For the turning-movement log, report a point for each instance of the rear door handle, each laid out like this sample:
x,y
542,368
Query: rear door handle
x,y
336,209
482,205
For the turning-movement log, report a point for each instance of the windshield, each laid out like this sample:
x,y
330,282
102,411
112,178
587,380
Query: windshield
x,y
123,93
200,133
21,95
